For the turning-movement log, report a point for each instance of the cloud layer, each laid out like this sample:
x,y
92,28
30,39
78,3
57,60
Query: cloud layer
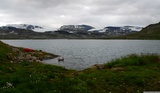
x,y
98,13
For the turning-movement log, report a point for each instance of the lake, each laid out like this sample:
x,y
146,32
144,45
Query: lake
x,y
81,54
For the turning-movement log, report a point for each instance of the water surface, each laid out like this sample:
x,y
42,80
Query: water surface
x,y
81,54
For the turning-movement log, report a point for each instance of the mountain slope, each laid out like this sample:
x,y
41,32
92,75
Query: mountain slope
x,y
150,32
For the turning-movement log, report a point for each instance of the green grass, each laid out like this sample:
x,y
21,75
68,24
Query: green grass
x,y
133,60
4,49
140,73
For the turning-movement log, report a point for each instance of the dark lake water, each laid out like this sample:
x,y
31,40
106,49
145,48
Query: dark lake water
x,y
81,54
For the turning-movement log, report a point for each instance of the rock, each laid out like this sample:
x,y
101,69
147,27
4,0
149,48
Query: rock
x,y
31,56
34,59
20,58
98,66
28,57
39,53
16,50
10,56
60,59
48,57
38,61
11,61
117,69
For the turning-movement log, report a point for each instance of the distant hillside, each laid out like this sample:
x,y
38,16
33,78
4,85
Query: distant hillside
x,y
150,32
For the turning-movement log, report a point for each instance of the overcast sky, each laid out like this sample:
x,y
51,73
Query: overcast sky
x,y
97,13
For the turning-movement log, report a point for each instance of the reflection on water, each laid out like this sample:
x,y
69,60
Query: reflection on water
x,y
80,54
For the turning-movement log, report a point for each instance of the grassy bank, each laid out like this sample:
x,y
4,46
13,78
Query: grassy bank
x,y
132,74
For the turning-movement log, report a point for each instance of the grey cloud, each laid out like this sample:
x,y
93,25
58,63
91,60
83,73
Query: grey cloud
x,y
99,13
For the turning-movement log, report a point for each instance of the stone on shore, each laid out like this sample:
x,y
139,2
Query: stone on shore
x,y
32,56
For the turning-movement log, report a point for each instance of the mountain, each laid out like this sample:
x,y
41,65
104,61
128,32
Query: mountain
x,y
123,28
30,27
117,31
75,28
26,31
23,31
15,33
132,28
150,32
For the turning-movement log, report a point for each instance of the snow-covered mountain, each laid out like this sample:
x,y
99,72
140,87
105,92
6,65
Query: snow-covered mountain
x,y
118,29
76,27
31,27
132,28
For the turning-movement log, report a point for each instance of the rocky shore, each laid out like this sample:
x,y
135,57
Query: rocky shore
x,y
22,55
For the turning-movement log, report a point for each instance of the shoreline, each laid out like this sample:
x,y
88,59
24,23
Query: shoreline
x,y
23,55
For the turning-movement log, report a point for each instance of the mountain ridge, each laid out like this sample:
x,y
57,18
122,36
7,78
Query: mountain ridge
x,y
35,28
109,32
